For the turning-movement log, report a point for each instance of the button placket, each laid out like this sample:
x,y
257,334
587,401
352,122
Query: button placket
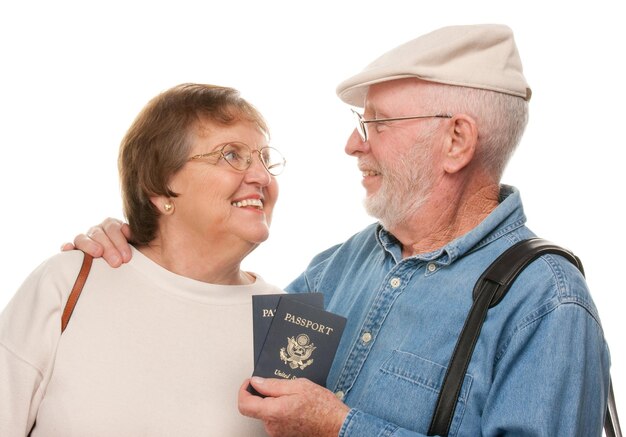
x,y
373,321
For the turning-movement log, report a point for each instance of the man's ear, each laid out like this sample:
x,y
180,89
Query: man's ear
x,y
460,146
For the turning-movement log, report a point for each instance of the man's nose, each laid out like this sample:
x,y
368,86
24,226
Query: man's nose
x,y
355,144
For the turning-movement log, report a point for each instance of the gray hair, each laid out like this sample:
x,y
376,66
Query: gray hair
x,y
501,119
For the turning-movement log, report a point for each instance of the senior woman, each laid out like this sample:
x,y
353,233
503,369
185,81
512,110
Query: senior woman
x,y
160,346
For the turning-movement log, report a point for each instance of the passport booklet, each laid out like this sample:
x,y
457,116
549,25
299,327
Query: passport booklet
x,y
264,307
300,341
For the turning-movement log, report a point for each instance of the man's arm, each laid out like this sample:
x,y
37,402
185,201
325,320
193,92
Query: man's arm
x,y
557,368
108,240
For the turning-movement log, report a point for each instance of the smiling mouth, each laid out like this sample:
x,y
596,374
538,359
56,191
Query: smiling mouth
x,y
255,203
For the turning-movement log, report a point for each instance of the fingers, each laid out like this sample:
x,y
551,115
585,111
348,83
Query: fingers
x,y
293,408
256,406
118,233
106,240
249,404
281,387
67,246
87,245
97,235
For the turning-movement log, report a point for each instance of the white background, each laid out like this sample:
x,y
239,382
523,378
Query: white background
x,y
73,75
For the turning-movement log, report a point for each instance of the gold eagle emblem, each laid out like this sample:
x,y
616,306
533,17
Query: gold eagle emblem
x,y
298,352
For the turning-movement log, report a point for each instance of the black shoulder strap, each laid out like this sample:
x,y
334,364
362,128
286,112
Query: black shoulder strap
x,y
489,290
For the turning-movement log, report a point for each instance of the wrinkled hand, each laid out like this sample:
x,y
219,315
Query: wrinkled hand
x,y
293,408
108,240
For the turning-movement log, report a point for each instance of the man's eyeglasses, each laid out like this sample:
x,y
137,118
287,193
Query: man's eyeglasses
x,y
239,156
361,125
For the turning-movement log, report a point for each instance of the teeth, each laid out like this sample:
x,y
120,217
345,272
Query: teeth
x,y
370,173
257,203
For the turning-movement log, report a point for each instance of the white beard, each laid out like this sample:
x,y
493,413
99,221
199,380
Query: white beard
x,y
406,186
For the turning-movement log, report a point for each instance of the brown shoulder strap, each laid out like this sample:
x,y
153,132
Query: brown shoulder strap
x,y
76,290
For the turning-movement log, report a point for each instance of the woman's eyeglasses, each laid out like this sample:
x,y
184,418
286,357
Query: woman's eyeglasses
x,y
239,156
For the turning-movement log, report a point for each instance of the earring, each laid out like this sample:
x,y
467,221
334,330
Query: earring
x,y
168,207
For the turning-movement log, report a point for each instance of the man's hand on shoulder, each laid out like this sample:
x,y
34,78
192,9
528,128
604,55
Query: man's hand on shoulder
x,y
108,240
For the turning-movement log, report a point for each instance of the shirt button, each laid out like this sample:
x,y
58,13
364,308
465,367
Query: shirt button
x,y
339,394
395,282
366,337
431,267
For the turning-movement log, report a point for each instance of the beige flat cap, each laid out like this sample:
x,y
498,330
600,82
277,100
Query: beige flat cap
x,y
477,56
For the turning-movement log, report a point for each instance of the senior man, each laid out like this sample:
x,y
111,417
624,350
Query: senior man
x,y
442,116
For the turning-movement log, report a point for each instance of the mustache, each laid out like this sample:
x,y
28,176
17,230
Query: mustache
x,y
366,165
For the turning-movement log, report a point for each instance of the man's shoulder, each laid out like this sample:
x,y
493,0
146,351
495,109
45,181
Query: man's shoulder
x,y
567,282
548,281
550,275
550,285
367,237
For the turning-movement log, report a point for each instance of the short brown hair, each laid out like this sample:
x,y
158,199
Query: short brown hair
x,y
158,142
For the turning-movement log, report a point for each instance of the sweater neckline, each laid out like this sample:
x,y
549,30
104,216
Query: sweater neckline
x,y
192,288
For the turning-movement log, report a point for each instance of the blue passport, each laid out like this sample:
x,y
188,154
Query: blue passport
x,y
301,343
263,309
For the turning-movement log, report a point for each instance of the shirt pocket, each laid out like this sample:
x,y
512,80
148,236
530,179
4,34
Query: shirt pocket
x,y
404,391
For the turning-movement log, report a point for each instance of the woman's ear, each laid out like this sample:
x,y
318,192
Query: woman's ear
x,y
165,205
461,145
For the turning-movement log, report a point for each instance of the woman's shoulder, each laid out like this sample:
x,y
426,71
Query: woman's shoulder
x,y
49,284
264,287
62,263
45,290
30,323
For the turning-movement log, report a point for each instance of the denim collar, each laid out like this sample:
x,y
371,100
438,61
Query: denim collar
x,y
508,216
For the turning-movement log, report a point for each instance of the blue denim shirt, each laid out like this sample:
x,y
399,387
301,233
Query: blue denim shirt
x,y
541,364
